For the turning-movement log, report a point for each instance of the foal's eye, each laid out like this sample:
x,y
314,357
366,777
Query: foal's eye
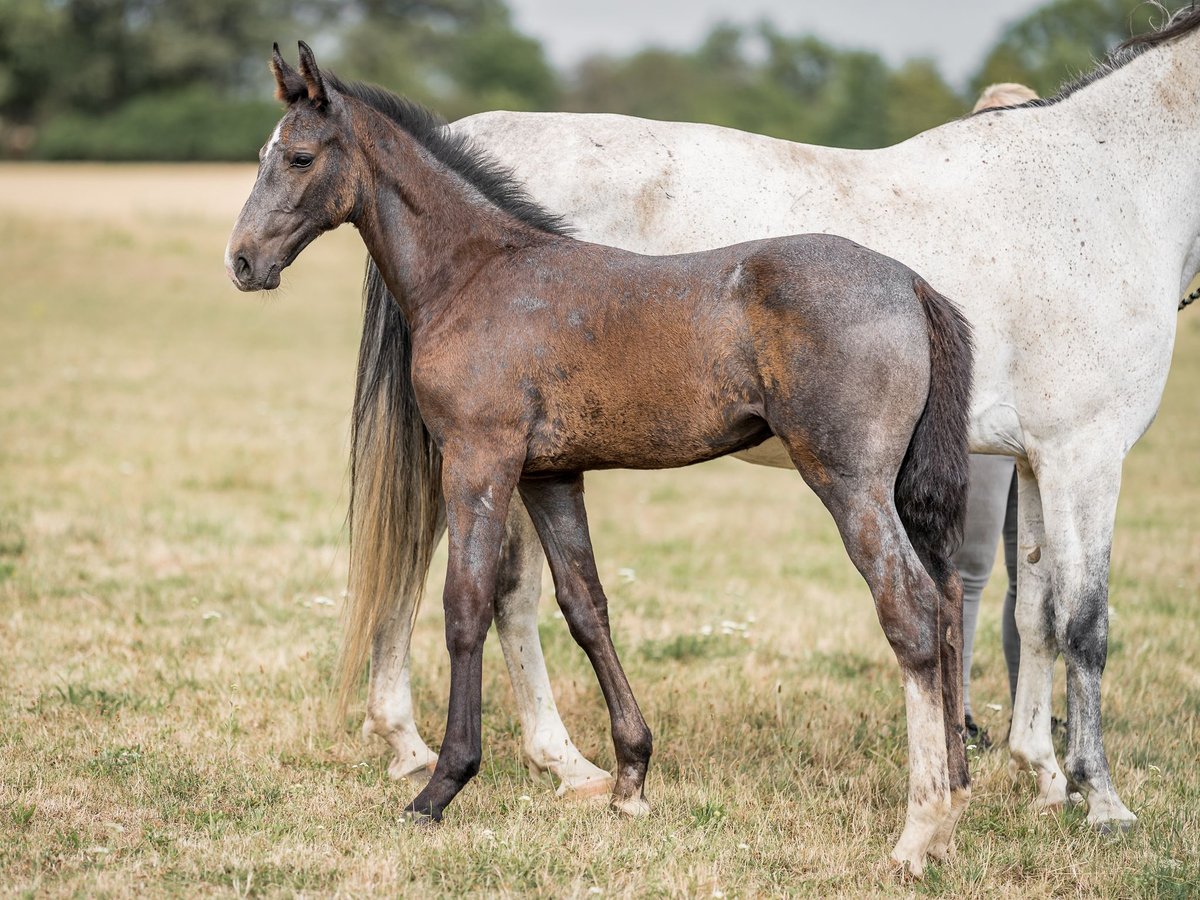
x,y
301,161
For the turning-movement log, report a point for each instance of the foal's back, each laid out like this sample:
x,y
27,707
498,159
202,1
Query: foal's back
x,y
614,359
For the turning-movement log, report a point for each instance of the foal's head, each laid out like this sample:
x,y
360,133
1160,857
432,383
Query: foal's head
x,y
309,176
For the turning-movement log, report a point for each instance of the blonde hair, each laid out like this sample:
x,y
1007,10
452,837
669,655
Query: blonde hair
x,y
1006,94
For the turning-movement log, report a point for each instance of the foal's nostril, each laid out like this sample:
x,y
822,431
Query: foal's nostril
x,y
241,267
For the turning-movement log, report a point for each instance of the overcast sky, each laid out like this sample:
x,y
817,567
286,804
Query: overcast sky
x,y
955,33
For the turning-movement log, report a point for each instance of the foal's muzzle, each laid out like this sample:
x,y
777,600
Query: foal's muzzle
x,y
247,277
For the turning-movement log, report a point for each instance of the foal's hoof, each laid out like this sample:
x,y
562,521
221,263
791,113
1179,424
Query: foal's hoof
x,y
419,819
634,807
1107,828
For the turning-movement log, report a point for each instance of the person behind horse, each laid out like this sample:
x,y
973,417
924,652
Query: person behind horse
x,y
991,510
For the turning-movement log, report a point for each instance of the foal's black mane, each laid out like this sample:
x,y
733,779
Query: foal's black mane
x,y
1183,21
496,182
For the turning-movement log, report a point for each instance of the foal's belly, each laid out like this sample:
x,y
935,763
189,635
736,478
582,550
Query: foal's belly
x,y
662,438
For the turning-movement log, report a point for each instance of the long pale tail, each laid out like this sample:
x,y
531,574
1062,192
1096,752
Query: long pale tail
x,y
395,483
931,487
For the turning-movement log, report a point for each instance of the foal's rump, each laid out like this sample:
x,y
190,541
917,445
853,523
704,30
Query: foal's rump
x,y
867,372
838,330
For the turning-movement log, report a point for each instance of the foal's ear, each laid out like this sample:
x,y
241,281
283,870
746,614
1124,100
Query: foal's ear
x,y
289,86
312,77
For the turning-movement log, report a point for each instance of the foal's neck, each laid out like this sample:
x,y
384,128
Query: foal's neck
x,y
427,228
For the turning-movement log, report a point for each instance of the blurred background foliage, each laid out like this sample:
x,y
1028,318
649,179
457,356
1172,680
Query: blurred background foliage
x,y
187,80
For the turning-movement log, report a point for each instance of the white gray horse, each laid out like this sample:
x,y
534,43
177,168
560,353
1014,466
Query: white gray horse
x,y
1065,228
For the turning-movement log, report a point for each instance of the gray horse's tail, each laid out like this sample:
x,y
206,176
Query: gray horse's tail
x,y
395,484
931,486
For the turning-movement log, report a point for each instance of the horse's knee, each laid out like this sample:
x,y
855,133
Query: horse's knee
x,y
460,765
910,624
587,624
634,737
1085,638
466,628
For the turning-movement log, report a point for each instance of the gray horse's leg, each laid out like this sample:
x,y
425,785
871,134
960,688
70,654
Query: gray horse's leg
x,y
1076,501
1029,739
389,697
389,702
1079,501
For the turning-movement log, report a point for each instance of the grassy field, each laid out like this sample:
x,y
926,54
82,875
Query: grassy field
x,y
172,555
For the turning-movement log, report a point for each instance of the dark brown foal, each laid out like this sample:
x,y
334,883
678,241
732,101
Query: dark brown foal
x,y
537,357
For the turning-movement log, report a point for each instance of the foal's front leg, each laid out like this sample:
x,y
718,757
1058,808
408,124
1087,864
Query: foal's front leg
x,y
556,507
477,489
546,744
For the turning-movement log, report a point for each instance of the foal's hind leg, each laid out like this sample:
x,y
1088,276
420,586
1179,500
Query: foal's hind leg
x,y
908,605
950,639
556,507
546,744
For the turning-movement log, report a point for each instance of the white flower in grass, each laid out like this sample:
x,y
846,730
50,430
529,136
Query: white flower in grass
x,y
706,630
211,616
717,892
743,846
595,891
322,601
994,707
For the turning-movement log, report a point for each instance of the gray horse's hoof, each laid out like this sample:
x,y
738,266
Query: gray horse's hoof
x,y
1115,827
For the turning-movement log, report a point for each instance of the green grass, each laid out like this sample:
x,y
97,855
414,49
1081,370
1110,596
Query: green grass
x,y
172,505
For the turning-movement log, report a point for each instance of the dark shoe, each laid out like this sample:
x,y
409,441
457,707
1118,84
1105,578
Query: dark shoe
x,y
977,736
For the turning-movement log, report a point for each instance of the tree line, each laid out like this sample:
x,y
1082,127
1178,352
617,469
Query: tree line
x,y
180,80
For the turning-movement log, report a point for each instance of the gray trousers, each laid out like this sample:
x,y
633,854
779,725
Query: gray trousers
x,y
991,512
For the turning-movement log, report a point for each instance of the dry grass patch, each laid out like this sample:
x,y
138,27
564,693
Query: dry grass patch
x,y
172,554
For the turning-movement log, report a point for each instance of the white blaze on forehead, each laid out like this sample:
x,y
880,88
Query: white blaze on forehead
x,y
273,141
